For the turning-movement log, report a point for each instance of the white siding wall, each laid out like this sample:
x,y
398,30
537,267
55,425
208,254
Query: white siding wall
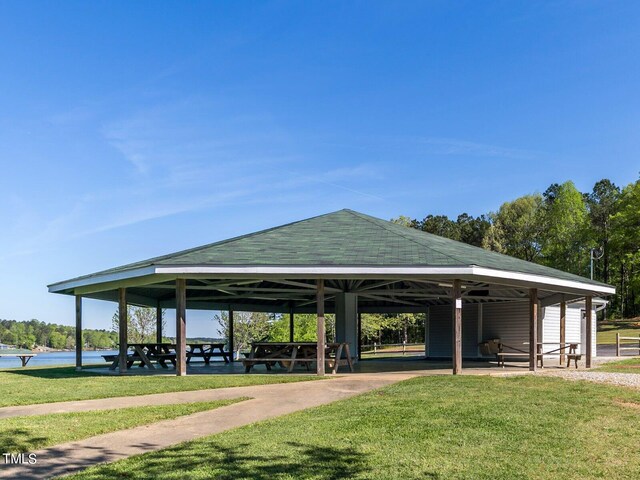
x,y
575,325
507,321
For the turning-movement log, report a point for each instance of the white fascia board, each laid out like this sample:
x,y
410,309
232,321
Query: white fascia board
x,y
550,281
466,271
109,277
462,272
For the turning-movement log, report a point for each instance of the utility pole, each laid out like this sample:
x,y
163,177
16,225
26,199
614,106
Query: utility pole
x,y
595,254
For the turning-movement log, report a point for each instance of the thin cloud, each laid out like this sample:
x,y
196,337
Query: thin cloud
x,y
454,146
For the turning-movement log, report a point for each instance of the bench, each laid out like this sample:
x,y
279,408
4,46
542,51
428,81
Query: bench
x,y
161,358
206,351
500,356
496,347
115,360
575,357
559,352
288,354
24,357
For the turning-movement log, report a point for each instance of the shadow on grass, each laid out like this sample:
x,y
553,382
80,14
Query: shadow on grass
x,y
51,372
18,440
617,325
240,461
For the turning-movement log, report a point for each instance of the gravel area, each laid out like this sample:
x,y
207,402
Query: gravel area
x,y
624,379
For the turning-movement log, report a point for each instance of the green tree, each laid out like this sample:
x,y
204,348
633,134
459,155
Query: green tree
x,y
247,327
440,225
57,340
601,203
565,242
472,230
625,241
517,228
141,324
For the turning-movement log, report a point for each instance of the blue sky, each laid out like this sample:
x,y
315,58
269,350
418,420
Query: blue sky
x,y
132,129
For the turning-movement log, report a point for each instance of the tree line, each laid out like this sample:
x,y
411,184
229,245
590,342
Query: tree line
x,y
560,228
274,327
31,333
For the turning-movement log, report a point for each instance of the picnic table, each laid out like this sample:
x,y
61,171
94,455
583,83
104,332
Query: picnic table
x,y
146,354
287,354
24,357
502,351
561,351
206,351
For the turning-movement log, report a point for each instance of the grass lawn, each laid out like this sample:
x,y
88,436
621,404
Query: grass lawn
x,y
626,328
371,356
25,386
628,365
24,434
394,351
429,427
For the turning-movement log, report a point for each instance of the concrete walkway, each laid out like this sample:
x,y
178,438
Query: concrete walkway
x,y
267,401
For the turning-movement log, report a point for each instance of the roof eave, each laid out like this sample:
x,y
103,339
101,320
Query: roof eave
x,y
154,273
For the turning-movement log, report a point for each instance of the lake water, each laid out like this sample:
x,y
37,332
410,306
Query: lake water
x,y
56,358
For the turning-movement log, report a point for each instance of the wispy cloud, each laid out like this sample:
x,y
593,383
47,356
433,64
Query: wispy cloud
x,y
454,146
194,155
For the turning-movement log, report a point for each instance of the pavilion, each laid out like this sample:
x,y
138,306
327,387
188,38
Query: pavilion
x,y
343,262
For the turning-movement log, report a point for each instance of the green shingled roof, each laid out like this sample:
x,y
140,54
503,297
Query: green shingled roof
x,y
345,238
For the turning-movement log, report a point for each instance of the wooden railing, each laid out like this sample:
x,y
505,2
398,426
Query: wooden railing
x,y
621,346
383,347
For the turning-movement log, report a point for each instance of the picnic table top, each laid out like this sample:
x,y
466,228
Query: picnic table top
x,y
314,344
18,354
145,344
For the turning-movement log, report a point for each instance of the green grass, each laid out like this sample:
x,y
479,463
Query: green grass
x,y
626,328
25,386
25,434
628,365
429,427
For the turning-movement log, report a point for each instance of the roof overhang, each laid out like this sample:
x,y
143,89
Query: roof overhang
x,y
161,273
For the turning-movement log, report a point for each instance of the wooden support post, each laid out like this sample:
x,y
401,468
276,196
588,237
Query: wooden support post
x,y
291,323
588,306
122,330
158,324
456,303
231,339
563,329
533,329
181,326
320,328
617,344
359,336
79,343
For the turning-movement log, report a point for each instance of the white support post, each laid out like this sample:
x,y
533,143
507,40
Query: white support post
x,y
456,299
588,305
533,329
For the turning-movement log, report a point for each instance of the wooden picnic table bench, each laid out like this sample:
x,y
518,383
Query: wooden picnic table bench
x,y
145,354
288,354
498,349
24,357
558,352
206,351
